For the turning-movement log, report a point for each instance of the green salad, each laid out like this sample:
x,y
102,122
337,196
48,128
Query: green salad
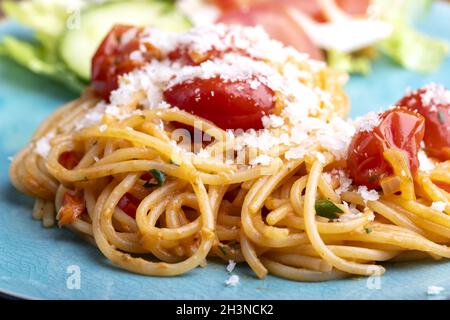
x,y
67,36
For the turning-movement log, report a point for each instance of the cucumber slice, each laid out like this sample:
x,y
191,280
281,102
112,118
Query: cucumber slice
x,y
78,46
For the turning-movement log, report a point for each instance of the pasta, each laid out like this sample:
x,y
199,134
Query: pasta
x,y
191,206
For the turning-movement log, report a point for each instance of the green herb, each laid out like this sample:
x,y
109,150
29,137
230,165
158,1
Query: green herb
x,y
159,176
368,230
441,116
327,209
222,249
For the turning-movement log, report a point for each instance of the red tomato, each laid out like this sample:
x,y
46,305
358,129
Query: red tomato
x,y
112,58
73,206
278,24
443,185
400,129
70,159
433,102
230,105
129,204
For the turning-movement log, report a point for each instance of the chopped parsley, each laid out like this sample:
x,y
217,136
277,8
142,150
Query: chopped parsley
x,y
327,209
159,176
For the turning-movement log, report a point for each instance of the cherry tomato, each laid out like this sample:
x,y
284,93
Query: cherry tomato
x,y
129,204
432,102
399,128
70,159
230,105
112,58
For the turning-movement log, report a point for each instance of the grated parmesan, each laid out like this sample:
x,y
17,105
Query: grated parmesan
x,y
368,195
368,122
438,206
231,265
232,281
263,159
43,145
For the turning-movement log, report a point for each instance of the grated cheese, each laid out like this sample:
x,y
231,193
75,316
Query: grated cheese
x,y
272,121
43,145
263,159
232,281
344,181
368,195
435,94
368,122
438,206
231,265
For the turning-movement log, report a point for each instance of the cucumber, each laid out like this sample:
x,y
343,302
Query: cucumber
x,y
78,46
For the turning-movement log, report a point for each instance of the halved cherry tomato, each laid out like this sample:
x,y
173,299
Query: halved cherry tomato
x,y
73,206
129,204
432,102
230,105
70,159
399,128
112,58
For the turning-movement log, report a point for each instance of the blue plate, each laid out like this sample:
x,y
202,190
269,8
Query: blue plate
x,y
38,263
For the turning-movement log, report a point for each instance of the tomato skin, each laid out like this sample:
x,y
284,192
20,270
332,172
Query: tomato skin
x,y
70,159
112,59
229,105
73,206
398,128
129,204
437,120
444,186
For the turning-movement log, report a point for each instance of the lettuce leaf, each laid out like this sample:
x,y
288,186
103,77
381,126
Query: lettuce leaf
x,y
47,19
353,63
35,58
410,48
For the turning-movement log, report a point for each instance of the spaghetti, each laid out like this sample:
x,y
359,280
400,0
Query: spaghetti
x,y
279,198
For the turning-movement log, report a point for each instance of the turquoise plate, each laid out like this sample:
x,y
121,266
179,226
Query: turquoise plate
x,y
38,263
